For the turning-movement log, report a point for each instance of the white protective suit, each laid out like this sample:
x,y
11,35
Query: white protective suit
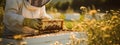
x,y
15,12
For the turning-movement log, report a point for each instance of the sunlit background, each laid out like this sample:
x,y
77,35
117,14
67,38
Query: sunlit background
x,y
75,4
98,18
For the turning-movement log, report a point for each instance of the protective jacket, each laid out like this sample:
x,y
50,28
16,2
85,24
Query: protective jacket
x,y
16,11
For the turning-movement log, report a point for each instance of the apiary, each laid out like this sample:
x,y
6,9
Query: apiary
x,y
56,33
50,32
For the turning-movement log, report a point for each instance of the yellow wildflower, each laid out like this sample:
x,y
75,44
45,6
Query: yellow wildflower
x,y
114,17
105,28
92,12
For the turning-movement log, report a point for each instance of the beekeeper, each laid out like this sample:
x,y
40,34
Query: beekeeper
x,y
23,17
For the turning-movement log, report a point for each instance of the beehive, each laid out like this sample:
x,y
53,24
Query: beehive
x,y
51,25
50,38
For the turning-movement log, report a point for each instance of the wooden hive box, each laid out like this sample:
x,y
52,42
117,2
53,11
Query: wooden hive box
x,y
49,39
61,36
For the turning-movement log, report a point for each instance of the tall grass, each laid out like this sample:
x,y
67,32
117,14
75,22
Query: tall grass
x,y
105,32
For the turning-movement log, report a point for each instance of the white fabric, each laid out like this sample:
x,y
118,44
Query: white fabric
x,y
13,17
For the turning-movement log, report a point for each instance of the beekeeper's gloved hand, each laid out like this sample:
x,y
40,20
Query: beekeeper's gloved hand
x,y
32,23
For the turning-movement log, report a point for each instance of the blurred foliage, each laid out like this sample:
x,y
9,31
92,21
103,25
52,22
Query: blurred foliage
x,y
1,14
1,19
2,3
100,32
104,32
75,4
2,6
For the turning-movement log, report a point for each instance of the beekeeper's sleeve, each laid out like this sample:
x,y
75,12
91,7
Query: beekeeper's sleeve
x,y
11,18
